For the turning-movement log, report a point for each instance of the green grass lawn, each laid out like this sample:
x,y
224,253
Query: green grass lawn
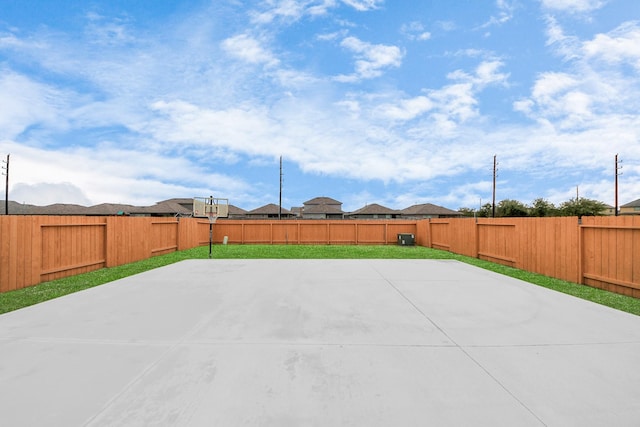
x,y
45,291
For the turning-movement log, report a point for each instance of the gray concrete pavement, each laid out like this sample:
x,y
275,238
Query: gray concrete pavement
x,y
319,343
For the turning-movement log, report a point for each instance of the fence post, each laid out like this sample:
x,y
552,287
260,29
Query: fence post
x,y
476,238
580,253
108,242
36,250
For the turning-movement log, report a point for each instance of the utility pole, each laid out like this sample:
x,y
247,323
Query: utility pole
x,y
280,202
616,173
495,170
6,185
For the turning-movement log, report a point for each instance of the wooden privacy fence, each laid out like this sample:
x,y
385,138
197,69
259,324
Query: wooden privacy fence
x,y
34,249
324,232
602,252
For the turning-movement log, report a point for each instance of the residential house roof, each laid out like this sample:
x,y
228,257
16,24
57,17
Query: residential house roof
x,y
375,209
57,209
234,210
322,205
110,209
167,207
269,209
634,204
322,201
322,209
15,208
428,209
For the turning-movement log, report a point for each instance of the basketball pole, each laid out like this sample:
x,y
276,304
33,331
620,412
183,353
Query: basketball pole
x,y
210,227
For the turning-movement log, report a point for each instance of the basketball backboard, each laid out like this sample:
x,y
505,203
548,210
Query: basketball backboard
x,y
205,207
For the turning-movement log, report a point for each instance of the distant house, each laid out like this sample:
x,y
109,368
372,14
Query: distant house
x,y
165,208
186,203
55,209
297,211
373,211
270,211
236,212
428,210
631,208
322,208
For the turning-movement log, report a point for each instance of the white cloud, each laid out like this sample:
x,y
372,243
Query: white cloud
x,y
104,31
291,10
406,109
249,49
620,46
294,10
25,103
371,59
332,36
487,73
506,9
42,194
599,84
415,31
573,5
108,173
363,5
566,46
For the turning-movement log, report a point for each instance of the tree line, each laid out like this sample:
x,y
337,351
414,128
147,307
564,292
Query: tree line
x,y
539,208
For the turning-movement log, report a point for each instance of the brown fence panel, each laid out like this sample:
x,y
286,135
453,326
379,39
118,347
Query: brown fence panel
x,y
315,232
346,233
440,237
422,233
497,241
234,230
129,239
257,233
164,236
462,234
19,250
607,257
71,245
188,236
371,233
284,232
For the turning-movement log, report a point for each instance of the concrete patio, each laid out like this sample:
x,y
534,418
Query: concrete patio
x,y
319,343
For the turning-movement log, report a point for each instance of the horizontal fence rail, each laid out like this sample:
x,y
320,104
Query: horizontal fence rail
x,y
602,252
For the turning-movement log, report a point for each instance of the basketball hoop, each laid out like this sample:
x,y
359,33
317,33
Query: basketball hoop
x,y
211,208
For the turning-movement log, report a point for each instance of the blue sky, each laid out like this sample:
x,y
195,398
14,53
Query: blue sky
x,y
367,101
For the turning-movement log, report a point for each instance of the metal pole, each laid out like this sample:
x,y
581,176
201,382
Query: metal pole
x,y
616,175
493,209
6,186
280,204
210,226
